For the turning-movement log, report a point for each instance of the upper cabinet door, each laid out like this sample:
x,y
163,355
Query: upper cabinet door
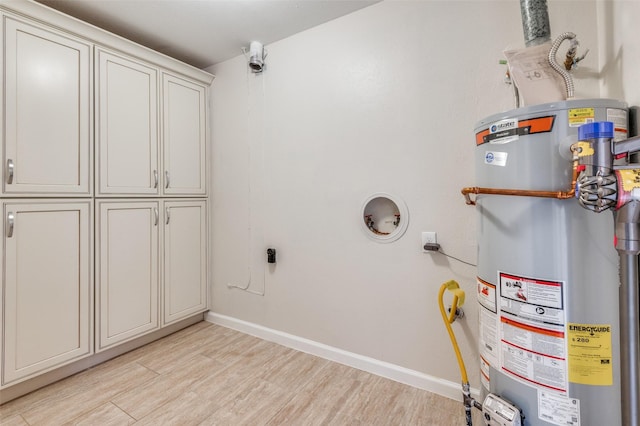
x,y
126,125
184,136
47,132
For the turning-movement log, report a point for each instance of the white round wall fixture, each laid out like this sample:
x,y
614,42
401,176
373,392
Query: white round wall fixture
x,y
384,217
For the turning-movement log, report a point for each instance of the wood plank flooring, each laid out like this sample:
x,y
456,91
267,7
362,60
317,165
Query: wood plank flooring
x,y
210,375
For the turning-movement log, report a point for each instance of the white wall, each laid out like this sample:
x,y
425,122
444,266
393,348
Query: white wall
x,y
384,99
619,48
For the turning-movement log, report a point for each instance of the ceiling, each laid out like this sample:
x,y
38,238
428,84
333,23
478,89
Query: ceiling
x,y
205,32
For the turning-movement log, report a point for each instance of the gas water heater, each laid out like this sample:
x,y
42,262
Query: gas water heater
x,y
557,277
548,275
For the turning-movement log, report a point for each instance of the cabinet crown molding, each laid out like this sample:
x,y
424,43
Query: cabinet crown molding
x,y
44,14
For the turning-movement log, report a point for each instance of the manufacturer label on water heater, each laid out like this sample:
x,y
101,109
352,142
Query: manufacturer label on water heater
x,y
558,409
509,130
503,131
495,158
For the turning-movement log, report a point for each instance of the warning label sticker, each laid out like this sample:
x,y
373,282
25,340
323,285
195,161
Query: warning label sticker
x,y
589,353
484,374
488,338
629,178
533,299
579,116
532,331
619,119
486,294
534,355
488,319
558,409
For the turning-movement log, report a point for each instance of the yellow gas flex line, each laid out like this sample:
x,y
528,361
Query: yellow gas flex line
x,y
458,300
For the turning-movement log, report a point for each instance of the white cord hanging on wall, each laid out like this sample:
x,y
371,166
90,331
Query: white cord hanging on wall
x,y
258,268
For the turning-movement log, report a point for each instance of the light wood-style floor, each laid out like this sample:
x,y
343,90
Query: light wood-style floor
x,y
210,375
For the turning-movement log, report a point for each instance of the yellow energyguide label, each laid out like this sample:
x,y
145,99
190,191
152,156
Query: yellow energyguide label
x,y
589,354
580,116
630,179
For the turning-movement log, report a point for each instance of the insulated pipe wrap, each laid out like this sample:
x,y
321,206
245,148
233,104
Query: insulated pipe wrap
x,y
535,22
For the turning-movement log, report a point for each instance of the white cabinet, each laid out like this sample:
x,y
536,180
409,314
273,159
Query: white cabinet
x,y
47,108
183,136
126,125
131,235
185,259
48,285
127,270
65,84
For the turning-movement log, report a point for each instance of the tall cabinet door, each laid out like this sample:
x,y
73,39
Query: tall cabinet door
x,y
184,136
127,270
126,125
48,112
48,285
185,259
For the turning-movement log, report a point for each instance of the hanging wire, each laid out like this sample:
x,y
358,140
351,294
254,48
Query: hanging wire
x,y
253,278
455,258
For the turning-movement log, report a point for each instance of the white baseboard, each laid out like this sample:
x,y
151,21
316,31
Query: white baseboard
x,y
400,374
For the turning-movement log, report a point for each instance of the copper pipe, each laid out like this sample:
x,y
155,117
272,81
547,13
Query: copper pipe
x,y
561,195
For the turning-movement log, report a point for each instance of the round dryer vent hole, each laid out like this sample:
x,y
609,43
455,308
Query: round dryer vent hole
x,y
384,217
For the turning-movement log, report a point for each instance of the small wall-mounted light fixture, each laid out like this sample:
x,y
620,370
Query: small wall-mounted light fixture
x,y
256,55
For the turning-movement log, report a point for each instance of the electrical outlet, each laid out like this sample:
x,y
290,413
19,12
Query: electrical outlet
x,y
428,238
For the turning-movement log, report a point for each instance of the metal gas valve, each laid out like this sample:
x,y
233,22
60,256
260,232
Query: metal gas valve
x,y
607,179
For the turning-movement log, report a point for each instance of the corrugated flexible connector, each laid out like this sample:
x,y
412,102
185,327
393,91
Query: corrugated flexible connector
x,y
568,80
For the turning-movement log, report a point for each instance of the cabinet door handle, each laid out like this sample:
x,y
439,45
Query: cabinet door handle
x,y
10,170
167,214
155,178
157,216
166,178
10,220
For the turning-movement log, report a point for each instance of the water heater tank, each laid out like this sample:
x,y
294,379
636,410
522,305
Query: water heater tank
x,y
547,270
